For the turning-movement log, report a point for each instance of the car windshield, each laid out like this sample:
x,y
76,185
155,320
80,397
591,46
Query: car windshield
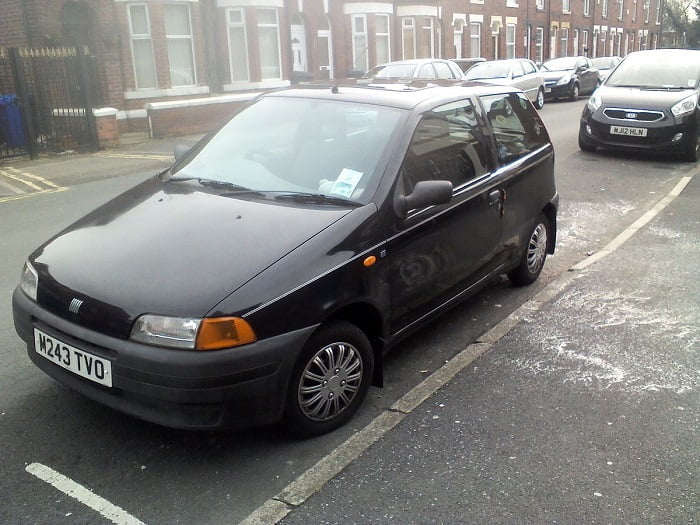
x,y
396,71
560,64
605,62
488,70
296,145
669,71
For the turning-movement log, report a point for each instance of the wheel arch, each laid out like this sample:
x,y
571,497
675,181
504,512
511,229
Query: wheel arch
x,y
550,211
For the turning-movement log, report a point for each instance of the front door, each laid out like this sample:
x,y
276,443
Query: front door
x,y
438,253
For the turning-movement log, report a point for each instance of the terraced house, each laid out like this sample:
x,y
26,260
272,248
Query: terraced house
x,y
150,54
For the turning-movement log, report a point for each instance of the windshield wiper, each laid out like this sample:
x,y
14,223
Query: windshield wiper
x,y
211,183
316,198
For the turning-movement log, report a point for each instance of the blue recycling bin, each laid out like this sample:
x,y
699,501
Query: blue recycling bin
x,y
11,122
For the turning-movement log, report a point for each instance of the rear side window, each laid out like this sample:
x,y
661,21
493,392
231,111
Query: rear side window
x,y
443,70
517,127
447,145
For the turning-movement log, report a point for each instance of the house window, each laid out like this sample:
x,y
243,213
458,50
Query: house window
x,y
622,10
408,38
359,43
178,34
427,44
658,14
268,44
603,39
576,42
382,39
586,7
604,9
553,43
646,11
539,4
634,11
475,39
539,48
512,3
584,41
142,47
564,42
510,41
237,45
566,6
458,36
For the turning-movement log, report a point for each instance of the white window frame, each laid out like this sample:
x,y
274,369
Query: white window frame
x,y
411,28
362,37
621,15
458,37
141,36
584,41
647,8
511,31
564,40
658,13
566,6
234,25
276,25
586,7
475,39
539,44
576,42
428,29
539,5
604,8
381,36
189,37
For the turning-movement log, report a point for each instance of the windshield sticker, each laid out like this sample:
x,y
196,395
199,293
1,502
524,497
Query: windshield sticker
x,y
346,182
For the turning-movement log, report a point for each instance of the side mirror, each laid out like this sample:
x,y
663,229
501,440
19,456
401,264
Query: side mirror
x,y
181,150
425,193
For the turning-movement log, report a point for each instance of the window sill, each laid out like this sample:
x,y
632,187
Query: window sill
x,y
170,92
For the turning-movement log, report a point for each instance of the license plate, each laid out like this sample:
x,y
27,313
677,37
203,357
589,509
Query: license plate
x,y
548,90
630,132
73,359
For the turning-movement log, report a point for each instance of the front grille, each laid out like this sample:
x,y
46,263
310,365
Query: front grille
x,y
633,115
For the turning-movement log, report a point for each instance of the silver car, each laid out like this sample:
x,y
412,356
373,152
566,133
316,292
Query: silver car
x,y
418,69
519,72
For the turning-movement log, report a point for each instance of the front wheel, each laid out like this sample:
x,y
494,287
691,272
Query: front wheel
x,y
692,151
583,143
534,255
539,101
574,92
330,379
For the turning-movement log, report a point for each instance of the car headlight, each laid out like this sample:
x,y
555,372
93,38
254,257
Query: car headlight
x,y
595,101
685,106
29,280
564,80
191,333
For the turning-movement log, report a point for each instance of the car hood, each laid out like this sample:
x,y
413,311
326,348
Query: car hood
x,y
635,98
168,248
556,75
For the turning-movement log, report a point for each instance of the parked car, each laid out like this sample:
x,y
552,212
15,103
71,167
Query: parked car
x,y
605,65
421,69
264,274
569,77
465,64
649,102
519,72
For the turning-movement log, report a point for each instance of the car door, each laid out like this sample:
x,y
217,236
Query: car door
x,y
438,253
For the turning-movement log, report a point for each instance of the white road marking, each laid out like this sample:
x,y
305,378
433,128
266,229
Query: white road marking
x,y
311,481
81,494
151,156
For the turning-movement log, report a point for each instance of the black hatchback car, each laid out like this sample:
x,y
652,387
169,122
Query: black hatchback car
x,y
649,102
569,77
262,277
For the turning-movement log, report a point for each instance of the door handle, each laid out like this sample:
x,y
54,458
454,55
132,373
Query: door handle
x,y
494,197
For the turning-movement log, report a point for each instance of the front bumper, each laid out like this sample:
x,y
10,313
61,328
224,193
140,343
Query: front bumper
x,y
661,136
558,91
235,387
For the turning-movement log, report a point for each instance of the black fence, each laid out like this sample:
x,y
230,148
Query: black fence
x,y
46,101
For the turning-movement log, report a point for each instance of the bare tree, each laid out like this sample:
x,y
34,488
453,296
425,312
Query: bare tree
x,y
682,23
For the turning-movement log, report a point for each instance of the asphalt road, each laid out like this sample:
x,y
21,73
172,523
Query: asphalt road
x,y
157,475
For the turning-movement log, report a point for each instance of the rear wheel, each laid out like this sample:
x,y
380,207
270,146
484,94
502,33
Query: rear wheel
x,y
534,255
330,379
539,101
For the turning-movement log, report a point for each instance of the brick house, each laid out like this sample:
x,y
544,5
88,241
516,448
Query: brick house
x,y
194,60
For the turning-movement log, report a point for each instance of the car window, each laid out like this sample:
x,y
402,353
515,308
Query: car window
x,y
447,144
426,71
517,69
517,128
528,67
665,72
396,71
298,145
488,70
443,70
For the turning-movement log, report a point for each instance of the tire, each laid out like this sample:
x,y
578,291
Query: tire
x,y
539,101
574,92
534,255
329,381
692,152
584,144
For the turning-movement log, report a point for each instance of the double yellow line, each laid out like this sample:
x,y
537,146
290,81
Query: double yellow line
x,y
23,184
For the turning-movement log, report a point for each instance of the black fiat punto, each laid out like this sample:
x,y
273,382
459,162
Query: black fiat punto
x,y
262,276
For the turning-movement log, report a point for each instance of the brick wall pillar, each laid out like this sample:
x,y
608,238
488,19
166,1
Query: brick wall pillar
x,y
107,127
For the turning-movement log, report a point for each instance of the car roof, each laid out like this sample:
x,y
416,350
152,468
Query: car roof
x,y
402,96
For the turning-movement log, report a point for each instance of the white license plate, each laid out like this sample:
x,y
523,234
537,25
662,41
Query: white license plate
x,y
548,90
629,132
79,362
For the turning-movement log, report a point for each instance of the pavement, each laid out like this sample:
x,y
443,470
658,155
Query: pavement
x,y
581,407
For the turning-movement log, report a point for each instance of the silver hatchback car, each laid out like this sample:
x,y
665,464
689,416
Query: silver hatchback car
x,y
519,72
